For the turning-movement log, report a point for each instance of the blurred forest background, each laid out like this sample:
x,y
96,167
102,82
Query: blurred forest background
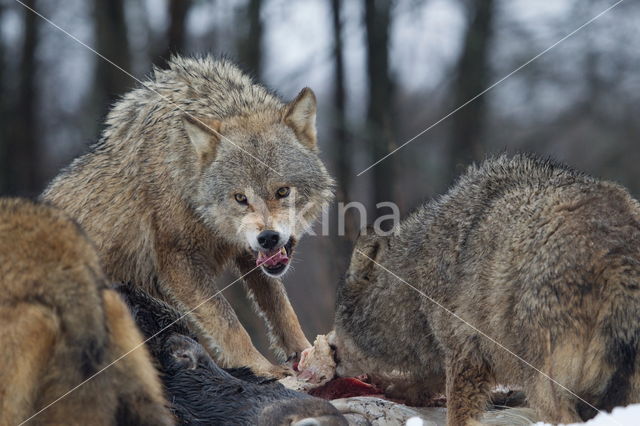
x,y
383,71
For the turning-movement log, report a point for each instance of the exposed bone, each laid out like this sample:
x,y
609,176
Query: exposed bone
x,y
316,367
316,363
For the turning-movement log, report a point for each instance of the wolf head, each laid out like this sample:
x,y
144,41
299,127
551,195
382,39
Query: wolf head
x,y
260,181
354,308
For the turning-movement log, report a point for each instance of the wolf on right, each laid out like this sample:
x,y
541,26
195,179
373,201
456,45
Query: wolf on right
x,y
541,258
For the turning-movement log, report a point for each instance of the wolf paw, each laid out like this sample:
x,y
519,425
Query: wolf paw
x,y
273,371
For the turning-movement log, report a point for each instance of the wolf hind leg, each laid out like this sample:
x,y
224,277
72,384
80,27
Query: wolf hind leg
x,y
551,403
566,366
469,378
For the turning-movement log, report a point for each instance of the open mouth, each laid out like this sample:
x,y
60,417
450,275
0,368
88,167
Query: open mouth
x,y
276,261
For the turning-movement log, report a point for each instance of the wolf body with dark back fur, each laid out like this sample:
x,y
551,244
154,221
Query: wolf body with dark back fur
x,y
541,258
199,169
201,393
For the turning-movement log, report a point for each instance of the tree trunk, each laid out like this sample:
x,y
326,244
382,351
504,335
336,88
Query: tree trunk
x,y
23,157
341,150
112,42
250,46
377,22
340,139
177,31
472,78
4,119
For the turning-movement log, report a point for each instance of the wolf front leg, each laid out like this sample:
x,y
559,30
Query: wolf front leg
x,y
194,291
271,301
469,379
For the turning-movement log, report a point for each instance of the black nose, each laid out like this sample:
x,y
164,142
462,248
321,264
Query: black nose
x,y
268,239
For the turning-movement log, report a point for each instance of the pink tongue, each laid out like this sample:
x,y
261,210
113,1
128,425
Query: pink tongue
x,y
272,259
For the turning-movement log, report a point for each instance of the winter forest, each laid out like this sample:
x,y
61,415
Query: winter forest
x,y
383,71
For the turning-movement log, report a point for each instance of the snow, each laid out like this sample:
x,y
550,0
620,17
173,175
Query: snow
x,y
414,421
620,416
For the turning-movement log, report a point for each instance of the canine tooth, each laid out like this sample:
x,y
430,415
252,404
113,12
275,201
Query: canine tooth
x,y
283,251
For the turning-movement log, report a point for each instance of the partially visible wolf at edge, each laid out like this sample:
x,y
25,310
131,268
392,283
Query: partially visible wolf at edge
x,y
536,261
199,169
61,328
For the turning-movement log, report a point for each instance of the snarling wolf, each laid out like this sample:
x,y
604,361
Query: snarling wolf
x,y
61,327
523,256
199,169
201,393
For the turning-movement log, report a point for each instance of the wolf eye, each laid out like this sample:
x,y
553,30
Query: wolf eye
x,y
241,198
283,192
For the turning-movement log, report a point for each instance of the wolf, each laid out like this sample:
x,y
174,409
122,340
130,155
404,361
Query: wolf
x,y
203,393
200,169
62,328
526,272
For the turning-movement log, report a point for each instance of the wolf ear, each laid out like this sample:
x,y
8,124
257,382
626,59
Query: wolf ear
x,y
367,253
204,135
300,115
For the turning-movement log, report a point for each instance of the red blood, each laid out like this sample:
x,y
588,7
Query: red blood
x,y
345,388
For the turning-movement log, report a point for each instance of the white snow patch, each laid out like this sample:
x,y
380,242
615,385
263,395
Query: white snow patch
x,y
414,421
